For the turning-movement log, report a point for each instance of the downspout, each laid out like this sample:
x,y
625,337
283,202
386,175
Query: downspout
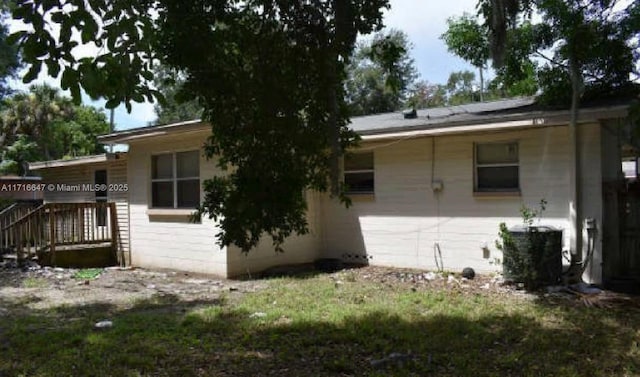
x,y
481,84
111,128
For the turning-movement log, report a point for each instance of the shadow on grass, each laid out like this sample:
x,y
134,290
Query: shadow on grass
x,y
166,337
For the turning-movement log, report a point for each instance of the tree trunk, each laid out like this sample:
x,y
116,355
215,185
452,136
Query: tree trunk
x,y
481,85
333,76
575,190
334,134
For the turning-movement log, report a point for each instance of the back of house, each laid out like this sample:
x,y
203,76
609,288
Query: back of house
x,y
428,191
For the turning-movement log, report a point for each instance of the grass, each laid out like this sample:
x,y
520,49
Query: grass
x,y
317,327
34,282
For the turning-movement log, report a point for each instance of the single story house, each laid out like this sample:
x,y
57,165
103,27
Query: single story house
x,y
429,189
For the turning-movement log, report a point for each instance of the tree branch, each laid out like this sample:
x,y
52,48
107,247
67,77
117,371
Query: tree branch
x,y
551,60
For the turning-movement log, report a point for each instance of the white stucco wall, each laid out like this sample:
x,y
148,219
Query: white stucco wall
x,y
398,226
166,241
163,241
297,249
403,222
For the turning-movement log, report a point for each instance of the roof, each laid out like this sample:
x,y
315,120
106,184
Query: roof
x,y
19,178
148,131
436,116
76,161
508,113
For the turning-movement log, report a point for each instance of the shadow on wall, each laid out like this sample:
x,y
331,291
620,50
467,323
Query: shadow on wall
x,y
425,232
406,219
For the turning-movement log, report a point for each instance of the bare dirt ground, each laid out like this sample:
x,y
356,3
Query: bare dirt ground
x,y
44,288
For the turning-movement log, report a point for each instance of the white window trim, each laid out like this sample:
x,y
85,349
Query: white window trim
x,y
358,171
476,165
174,179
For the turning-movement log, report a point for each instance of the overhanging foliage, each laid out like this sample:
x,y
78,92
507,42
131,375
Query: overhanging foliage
x,y
267,73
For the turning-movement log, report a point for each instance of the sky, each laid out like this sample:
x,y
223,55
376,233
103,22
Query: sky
x,y
423,21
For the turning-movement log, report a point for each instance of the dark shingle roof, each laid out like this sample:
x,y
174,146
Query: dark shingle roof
x,y
470,115
440,116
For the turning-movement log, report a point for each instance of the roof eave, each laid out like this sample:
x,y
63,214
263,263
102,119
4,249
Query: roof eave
x,y
124,137
95,159
529,119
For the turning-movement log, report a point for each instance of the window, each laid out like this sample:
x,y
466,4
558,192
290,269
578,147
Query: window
x,y
175,180
358,173
497,168
100,181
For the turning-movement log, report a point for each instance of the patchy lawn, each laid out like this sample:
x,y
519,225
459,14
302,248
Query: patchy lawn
x,y
359,322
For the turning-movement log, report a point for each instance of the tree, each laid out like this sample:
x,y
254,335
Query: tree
x,y
592,45
268,74
9,57
42,124
380,74
14,158
34,114
77,136
176,106
593,53
466,38
462,88
422,95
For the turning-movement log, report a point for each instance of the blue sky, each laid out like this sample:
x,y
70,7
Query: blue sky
x,y
423,20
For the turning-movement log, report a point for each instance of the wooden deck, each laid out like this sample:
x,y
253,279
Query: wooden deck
x,y
64,234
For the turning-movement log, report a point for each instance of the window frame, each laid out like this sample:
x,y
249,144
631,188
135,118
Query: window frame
x,y
345,172
174,179
477,166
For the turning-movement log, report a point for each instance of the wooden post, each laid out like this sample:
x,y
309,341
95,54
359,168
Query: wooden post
x,y
18,244
52,233
28,238
2,237
113,222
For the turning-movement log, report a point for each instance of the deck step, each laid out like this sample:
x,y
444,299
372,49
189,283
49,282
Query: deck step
x,y
80,256
71,256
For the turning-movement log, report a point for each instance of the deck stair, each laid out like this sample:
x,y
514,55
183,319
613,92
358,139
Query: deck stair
x,y
9,215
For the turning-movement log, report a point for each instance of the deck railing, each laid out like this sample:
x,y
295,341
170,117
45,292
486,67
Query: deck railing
x,y
10,215
57,225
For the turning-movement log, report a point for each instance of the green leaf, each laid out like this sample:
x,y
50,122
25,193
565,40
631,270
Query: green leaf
x,y
89,30
148,75
32,73
75,93
16,37
137,97
65,31
112,103
69,78
58,17
47,5
53,67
